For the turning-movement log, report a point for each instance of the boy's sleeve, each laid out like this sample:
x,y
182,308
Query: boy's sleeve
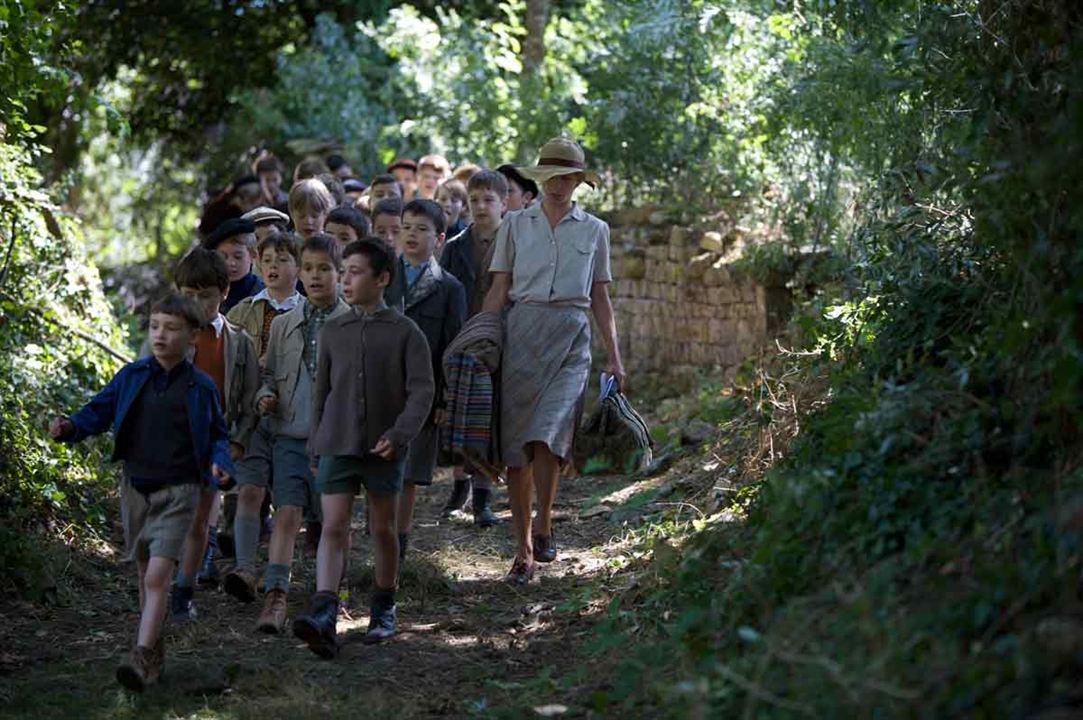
x,y
246,423
266,380
220,437
323,386
96,416
419,392
453,323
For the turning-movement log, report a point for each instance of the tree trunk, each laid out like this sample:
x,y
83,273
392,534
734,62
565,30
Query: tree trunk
x,y
537,17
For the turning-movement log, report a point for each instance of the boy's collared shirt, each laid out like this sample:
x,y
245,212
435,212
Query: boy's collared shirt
x,y
413,272
280,305
315,318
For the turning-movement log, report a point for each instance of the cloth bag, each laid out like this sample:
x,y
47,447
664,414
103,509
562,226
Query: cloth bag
x,y
614,432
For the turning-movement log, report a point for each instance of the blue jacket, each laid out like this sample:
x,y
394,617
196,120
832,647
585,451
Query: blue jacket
x,y
108,409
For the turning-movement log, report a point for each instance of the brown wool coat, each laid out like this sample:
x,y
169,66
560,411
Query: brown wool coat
x,y
373,380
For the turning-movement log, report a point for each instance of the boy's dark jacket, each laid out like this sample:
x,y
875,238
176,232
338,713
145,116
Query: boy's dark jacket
x,y
437,303
457,258
107,410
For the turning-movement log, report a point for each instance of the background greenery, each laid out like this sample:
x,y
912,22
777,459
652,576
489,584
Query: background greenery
x,y
916,524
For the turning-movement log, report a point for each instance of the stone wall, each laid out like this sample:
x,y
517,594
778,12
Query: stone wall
x,y
681,305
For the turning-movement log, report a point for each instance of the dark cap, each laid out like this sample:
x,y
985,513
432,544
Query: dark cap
x,y
353,185
229,228
402,163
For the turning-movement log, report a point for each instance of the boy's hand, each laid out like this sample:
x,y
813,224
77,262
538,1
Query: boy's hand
x,y
236,450
60,427
267,404
384,449
440,417
225,480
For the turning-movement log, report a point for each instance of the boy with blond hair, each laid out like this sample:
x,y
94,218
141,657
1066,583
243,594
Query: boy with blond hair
x,y
169,431
310,203
431,171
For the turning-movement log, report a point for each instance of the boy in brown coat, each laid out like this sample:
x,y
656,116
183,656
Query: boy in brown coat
x,y
374,390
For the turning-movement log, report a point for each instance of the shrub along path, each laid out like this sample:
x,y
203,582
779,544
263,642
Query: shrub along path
x,y
469,644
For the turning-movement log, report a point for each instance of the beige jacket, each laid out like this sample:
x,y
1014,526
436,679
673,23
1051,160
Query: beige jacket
x,y
248,313
284,363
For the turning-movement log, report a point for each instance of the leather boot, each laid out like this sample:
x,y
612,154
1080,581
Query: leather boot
x,y
457,501
483,511
382,619
316,625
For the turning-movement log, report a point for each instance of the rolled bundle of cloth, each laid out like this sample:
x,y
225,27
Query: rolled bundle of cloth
x,y
472,372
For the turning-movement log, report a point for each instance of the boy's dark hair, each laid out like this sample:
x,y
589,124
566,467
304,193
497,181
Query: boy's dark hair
x,y
201,268
335,161
387,206
381,256
489,180
385,179
428,209
269,163
352,217
310,167
322,242
180,306
524,183
333,183
282,241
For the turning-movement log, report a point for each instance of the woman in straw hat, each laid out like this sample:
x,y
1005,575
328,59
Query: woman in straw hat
x,y
551,261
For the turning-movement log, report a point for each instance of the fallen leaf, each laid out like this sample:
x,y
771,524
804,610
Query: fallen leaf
x,y
595,511
550,710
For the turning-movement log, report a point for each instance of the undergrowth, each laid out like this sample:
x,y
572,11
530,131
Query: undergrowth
x,y
55,326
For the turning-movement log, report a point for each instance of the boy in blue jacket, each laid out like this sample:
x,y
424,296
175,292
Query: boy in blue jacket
x,y
169,431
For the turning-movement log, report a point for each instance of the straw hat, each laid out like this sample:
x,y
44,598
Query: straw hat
x,y
560,156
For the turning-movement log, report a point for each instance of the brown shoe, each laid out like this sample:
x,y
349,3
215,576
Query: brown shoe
x,y
273,618
142,667
241,584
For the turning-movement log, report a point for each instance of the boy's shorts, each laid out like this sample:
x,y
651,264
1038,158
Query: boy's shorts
x,y
156,523
255,467
421,457
339,474
293,480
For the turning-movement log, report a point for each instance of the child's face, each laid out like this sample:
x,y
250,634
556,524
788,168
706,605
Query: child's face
x,y
248,196
487,207
419,237
406,176
427,180
388,228
343,233
383,191
452,205
271,180
319,276
238,258
359,285
170,337
308,220
209,299
279,270
517,199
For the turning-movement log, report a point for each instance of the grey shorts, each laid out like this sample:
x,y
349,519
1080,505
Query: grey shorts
x,y
256,466
421,457
294,483
340,474
156,524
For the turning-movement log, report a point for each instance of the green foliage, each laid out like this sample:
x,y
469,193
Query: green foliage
x,y
48,293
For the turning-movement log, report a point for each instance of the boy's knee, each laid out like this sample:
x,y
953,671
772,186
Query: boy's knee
x,y
249,496
289,516
335,532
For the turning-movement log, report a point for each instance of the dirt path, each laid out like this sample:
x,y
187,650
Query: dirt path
x,y
467,645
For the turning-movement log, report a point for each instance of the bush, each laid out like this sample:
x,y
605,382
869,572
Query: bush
x,y
54,321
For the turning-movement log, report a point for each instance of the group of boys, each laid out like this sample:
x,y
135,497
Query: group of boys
x,y
302,383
